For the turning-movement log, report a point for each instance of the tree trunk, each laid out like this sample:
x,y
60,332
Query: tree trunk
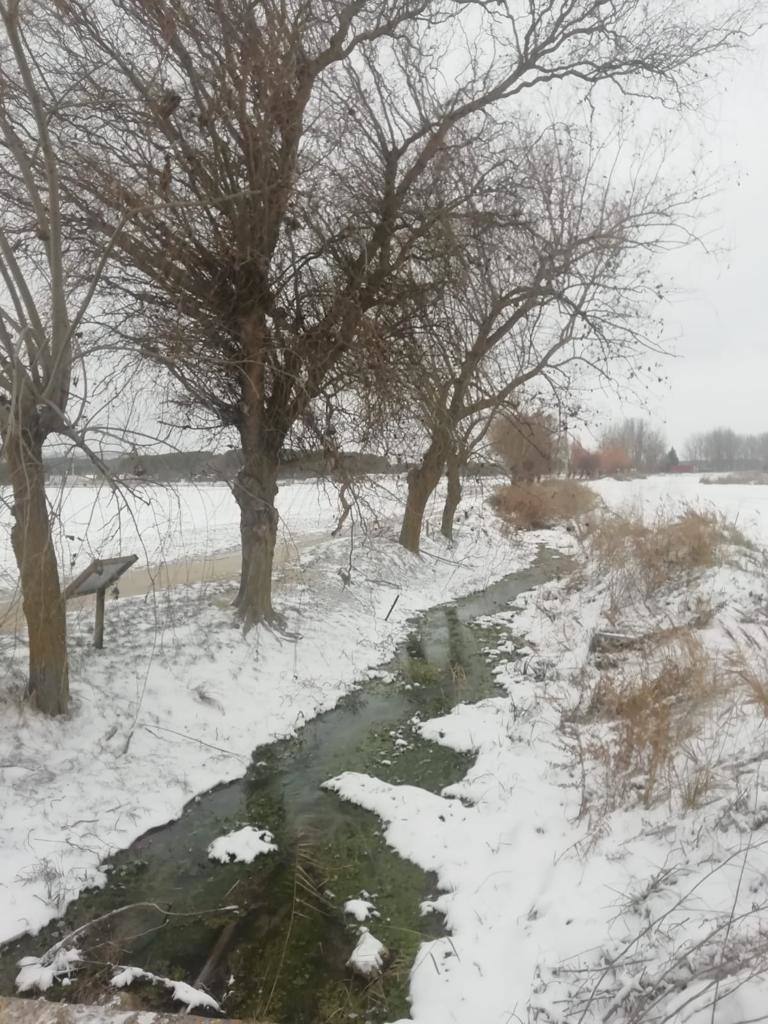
x,y
42,599
422,481
453,495
255,489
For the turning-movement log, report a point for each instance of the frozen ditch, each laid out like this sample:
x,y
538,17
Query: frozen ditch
x,y
282,955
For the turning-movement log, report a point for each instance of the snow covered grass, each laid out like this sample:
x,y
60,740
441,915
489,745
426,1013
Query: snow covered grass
x,y
748,667
641,556
360,908
655,707
157,523
179,698
606,857
745,506
754,477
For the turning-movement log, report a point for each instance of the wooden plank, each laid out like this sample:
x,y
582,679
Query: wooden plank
x,y
100,574
39,1011
98,628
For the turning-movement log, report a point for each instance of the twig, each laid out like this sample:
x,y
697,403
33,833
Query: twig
x,y
449,561
50,954
194,739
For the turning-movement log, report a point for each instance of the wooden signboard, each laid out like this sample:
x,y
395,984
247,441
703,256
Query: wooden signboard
x,y
100,574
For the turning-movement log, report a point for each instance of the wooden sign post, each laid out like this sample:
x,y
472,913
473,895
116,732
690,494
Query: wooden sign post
x,y
96,579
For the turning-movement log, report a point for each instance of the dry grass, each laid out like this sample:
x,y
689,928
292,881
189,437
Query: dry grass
x,y
683,971
745,477
650,726
644,721
652,555
537,506
747,667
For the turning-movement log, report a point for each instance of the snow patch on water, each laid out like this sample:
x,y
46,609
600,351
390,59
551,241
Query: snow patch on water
x,y
244,845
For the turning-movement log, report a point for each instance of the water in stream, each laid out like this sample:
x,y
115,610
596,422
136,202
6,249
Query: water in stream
x,y
281,957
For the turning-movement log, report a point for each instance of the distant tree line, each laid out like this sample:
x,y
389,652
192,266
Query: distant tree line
x,y
627,446
723,449
203,466
530,446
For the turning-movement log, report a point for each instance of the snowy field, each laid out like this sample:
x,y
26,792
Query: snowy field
x,y
565,903
744,505
183,522
190,522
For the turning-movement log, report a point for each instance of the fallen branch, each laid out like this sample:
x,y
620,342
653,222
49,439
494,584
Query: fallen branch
x,y
50,954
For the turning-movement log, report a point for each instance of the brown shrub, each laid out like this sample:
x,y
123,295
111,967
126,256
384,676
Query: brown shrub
x,y
614,460
525,443
584,463
649,555
536,506
656,711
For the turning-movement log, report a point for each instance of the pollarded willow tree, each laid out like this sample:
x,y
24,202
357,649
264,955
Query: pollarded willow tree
x,y
550,276
294,142
42,304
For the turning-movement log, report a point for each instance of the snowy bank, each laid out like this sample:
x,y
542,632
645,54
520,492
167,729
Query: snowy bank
x,y
745,505
179,698
580,886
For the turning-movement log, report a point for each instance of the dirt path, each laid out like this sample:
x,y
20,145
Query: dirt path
x,y
142,580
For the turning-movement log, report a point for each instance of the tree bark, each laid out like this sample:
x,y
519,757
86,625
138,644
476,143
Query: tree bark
x,y
453,495
42,599
422,481
255,489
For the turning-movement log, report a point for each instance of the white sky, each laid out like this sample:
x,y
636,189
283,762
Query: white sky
x,y
716,321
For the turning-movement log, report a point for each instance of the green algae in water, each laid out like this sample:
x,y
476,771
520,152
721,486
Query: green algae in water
x,y
296,971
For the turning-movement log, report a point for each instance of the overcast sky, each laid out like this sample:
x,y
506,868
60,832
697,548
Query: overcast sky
x,y
718,319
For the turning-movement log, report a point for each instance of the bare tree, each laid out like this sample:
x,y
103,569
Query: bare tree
x,y
614,459
545,283
468,440
296,140
643,444
724,449
41,310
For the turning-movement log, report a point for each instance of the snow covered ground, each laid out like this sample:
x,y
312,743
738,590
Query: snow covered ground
x,y
178,699
163,524
745,505
579,887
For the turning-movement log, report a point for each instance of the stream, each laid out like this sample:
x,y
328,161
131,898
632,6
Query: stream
x,y
282,956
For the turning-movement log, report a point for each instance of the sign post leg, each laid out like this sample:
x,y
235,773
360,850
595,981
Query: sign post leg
x,y
98,631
